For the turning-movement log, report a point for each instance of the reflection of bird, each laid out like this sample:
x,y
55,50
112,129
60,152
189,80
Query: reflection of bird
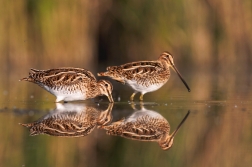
x,y
70,120
144,125
144,76
70,84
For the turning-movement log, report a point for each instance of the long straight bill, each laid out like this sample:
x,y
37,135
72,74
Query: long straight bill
x,y
175,69
174,133
110,97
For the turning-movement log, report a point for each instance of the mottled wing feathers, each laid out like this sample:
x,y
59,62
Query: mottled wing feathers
x,y
143,64
144,72
65,124
145,129
57,77
143,68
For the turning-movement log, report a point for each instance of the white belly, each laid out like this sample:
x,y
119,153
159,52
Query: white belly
x,y
66,95
142,88
142,113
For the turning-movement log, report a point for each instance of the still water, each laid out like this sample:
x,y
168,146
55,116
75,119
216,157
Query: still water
x,y
216,132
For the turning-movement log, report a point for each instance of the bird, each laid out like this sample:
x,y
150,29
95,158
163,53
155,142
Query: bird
x,y
144,125
70,84
144,76
70,120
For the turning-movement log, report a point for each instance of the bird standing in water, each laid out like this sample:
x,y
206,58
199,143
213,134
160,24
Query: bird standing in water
x,y
144,76
70,84
145,125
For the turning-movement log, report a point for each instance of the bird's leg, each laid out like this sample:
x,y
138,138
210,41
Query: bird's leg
x,y
133,105
132,96
142,105
141,97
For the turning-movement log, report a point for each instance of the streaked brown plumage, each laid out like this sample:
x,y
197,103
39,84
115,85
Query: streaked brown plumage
x,y
145,125
70,120
144,76
70,84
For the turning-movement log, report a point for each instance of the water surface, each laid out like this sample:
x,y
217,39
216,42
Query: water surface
x,y
217,132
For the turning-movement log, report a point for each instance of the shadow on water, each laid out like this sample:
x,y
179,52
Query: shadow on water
x,y
89,132
144,125
70,120
218,131
212,51
80,119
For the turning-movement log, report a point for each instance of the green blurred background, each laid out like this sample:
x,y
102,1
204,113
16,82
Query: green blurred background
x,y
211,41
206,37
203,35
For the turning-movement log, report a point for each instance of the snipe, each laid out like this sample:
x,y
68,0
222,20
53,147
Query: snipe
x,y
144,76
145,125
69,84
70,120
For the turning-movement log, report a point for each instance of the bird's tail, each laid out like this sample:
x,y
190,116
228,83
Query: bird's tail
x,y
26,79
33,130
31,73
111,70
103,74
28,125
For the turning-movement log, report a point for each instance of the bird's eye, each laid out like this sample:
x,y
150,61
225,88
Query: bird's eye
x,y
169,56
106,85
